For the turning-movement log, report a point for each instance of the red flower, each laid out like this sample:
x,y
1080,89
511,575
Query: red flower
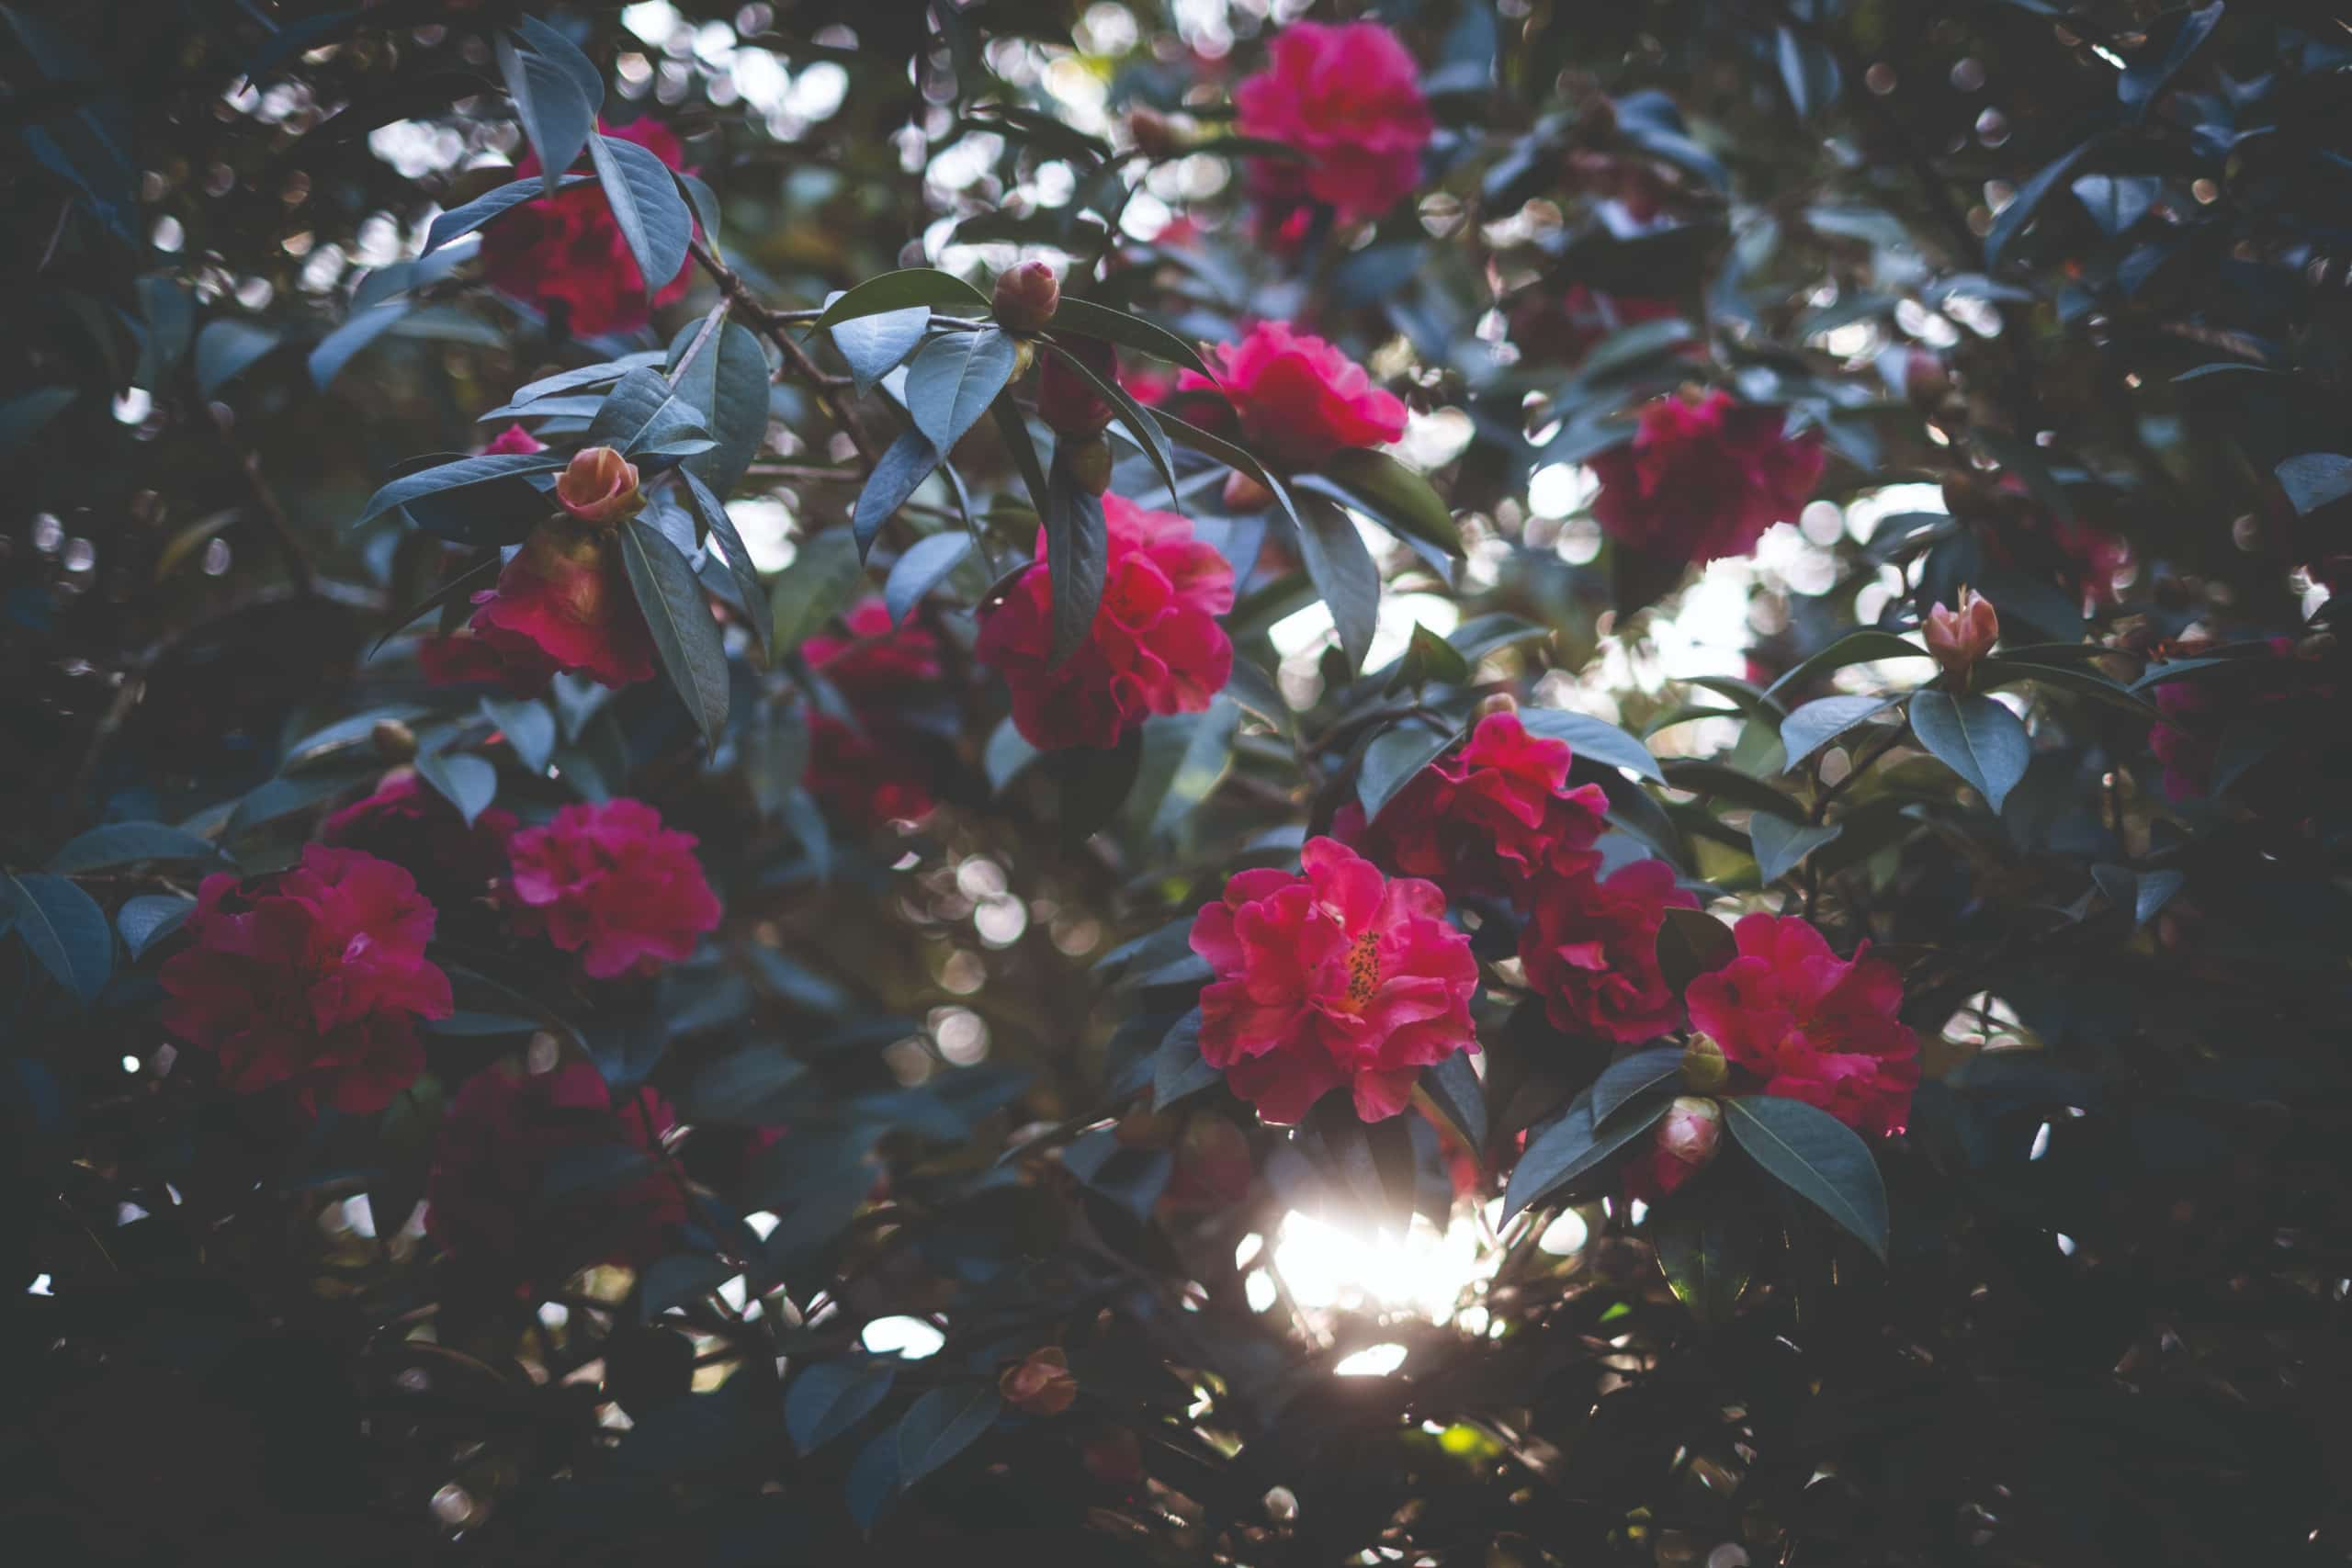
x,y
1350,99
1680,1147
1297,399
1702,480
1156,646
564,255
419,832
1333,977
2189,743
564,602
1795,1019
611,884
1493,819
1566,328
488,1200
466,659
1591,951
312,977
876,769
514,440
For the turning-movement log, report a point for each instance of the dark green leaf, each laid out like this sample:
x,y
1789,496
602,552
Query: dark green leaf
x,y
1089,319
651,216
67,932
22,417
1808,71
149,919
2144,894
736,554
469,784
2144,81
685,640
1344,574
902,290
557,116
644,410
1386,489
745,1088
1691,942
528,726
1816,723
1015,431
1095,784
943,1424
1454,1091
1177,1071
831,1397
337,349
461,474
1862,647
1132,416
822,581
1631,1076
1395,756
921,569
1817,1157
459,221
2316,480
728,384
225,349
1572,1146
1597,738
1006,755
1781,845
1077,555
1707,1252
2019,212
130,843
898,475
551,45
873,345
954,379
1232,457
1976,738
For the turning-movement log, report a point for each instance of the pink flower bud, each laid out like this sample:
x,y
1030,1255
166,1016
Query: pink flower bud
x,y
1041,1384
1027,296
1691,1130
1959,637
600,486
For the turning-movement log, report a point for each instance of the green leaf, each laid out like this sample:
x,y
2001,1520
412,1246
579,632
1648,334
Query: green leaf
x,y
831,1397
1817,1157
459,221
1707,1252
1974,737
1629,1077
923,286
1137,420
728,385
1575,1145
1386,489
1393,758
1809,72
1343,572
644,409
1691,942
822,580
745,1088
1094,784
67,932
736,554
2143,893
1781,845
897,475
873,345
149,919
1428,660
1005,756
685,640
130,843
943,1424
1178,1069
651,216
1232,457
952,381
1454,1091
1014,430
557,116
921,569
469,783
1816,723
1593,737
22,417
549,44
337,349
1076,556
225,349
1088,318
528,725
2315,480
1206,757
1862,646
2027,201
460,475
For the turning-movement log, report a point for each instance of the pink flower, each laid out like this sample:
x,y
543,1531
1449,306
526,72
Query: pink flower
x,y
1350,99
487,1197
1959,637
1334,977
1297,399
1795,1019
876,770
1490,820
514,440
564,254
1681,1147
1703,480
1590,952
1566,328
419,832
564,602
312,977
610,883
598,485
1156,646
465,659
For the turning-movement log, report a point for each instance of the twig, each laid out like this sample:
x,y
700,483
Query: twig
x,y
779,332
710,324
298,560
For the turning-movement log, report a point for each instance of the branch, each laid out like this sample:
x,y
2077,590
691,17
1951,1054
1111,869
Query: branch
x,y
777,326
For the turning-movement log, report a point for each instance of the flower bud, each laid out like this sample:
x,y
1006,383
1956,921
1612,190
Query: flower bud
x,y
1243,493
1041,1384
1959,637
1691,1130
1027,296
394,741
1088,458
1067,404
1496,702
599,486
1925,381
1704,1071
1156,135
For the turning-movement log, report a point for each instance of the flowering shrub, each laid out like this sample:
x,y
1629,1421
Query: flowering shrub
x,y
1457,782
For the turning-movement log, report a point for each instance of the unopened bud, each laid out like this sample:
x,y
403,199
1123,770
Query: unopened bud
x,y
1156,135
1496,702
1704,1071
599,486
1243,493
1026,296
394,741
1066,402
1040,1384
1088,458
1959,637
1691,1132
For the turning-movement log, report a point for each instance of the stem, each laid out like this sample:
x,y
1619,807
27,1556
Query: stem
x,y
710,324
273,515
778,328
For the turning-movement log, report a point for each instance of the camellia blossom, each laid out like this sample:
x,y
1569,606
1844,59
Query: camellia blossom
x,y
1296,400
1491,819
1703,480
1682,1145
610,883
487,1198
1333,977
1590,952
564,254
312,977
416,830
1795,1019
872,768
1155,647
1349,98
564,602
465,659
514,442
598,485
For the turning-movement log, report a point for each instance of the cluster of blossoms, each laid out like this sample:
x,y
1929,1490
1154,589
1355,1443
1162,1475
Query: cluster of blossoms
x,y
1348,100
1703,477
